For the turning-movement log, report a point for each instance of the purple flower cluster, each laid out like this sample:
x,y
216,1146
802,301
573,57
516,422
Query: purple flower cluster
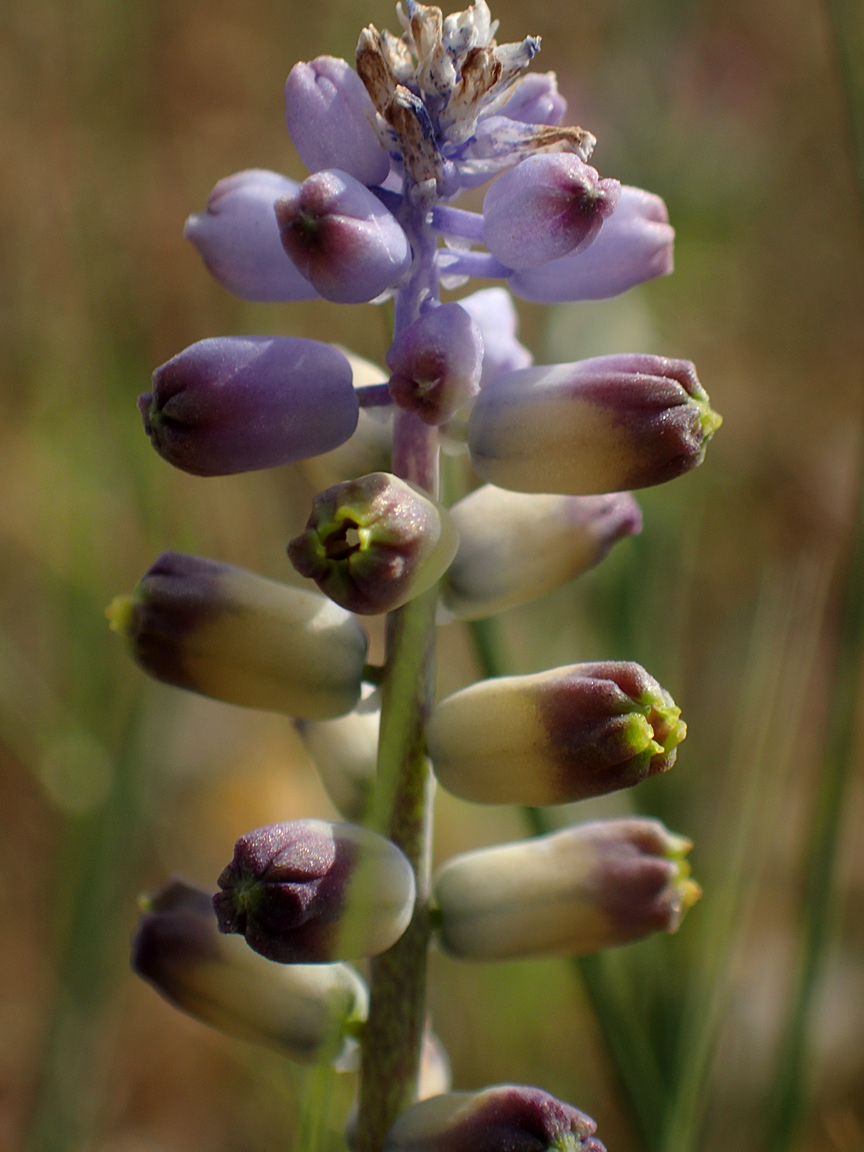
x,y
390,145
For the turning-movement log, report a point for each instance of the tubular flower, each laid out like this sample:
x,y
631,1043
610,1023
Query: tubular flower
x,y
237,404
573,892
373,544
492,311
556,736
238,238
306,1012
601,425
329,116
507,1116
230,634
514,546
344,751
634,245
310,892
547,207
342,238
436,363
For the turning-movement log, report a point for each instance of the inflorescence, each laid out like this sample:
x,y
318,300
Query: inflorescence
x,y
427,115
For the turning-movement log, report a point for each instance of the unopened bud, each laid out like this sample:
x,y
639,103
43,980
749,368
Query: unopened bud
x,y
507,1117
601,425
238,238
237,404
436,363
342,238
571,893
345,752
635,244
544,208
556,736
373,544
310,891
515,546
492,311
304,1011
536,100
329,116
235,636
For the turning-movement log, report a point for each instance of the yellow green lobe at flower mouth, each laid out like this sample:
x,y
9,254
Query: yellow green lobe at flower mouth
x,y
373,543
611,724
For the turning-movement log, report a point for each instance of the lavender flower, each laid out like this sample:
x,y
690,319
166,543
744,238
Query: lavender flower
x,y
342,238
329,116
492,311
238,238
634,245
436,363
536,100
546,207
235,404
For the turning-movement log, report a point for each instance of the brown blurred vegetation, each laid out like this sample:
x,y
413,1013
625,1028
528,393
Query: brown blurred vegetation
x,y
115,121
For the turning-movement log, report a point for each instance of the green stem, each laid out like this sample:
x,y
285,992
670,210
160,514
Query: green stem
x,y
394,1030
401,807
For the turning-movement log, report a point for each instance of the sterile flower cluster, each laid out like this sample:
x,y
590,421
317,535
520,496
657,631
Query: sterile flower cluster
x,y
390,145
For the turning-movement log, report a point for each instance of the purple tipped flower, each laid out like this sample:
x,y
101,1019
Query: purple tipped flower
x,y
514,546
577,891
330,116
303,1011
310,892
375,543
634,245
436,363
556,736
544,208
237,404
235,636
342,238
238,238
601,425
505,1118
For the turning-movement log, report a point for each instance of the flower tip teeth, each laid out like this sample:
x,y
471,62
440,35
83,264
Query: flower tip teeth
x,y
120,614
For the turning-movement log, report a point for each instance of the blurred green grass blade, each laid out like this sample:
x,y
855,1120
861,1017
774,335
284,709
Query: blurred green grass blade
x,y
317,1104
784,640
96,869
846,20
787,1104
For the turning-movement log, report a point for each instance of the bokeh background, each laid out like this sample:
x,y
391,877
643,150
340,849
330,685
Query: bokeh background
x,y
742,595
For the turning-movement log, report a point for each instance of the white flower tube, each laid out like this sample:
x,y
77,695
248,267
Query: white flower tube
x,y
588,887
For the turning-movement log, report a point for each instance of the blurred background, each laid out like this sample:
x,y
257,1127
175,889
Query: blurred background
x,y
742,596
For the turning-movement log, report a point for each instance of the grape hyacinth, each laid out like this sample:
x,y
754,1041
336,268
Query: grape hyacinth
x,y
390,145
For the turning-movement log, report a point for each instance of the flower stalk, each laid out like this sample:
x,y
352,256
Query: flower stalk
x,y
389,146
401,800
